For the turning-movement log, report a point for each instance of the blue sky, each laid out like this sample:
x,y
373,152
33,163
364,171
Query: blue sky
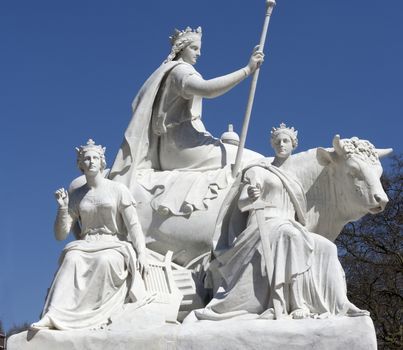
x,y
70,69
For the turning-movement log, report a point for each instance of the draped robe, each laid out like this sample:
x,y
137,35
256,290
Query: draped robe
x,y
166,148
97,273
307,273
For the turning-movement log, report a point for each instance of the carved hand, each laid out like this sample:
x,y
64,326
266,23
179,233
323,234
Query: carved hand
x,y
254,192
255,60
142,264
62,197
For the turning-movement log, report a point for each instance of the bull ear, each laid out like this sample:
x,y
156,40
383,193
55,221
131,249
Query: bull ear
x,y
325,157
338,144
383,152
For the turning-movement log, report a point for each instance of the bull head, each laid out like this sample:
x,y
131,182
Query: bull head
x,y
326,157
357,175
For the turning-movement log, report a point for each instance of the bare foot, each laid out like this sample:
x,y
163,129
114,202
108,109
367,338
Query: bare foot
x,y
268,314
299,314
43,323
353,311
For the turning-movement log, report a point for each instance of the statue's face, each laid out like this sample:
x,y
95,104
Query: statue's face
x,y
191,53
91,163
282,145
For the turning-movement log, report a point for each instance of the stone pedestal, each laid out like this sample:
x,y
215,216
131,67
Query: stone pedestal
x,y
337,333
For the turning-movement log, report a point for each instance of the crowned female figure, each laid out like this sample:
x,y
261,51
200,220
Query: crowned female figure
x,y
103,268
275,267
166,131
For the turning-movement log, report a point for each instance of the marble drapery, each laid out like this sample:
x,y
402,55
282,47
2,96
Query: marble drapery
x,y
307,274
166,133
97,273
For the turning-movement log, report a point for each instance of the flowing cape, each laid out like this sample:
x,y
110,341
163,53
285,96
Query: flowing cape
x,y
138,157
139,150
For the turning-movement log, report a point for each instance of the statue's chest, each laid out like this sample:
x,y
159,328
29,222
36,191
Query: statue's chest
x,y
96,202
272,187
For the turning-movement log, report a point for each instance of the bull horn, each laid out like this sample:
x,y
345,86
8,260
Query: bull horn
x,y
338,144
383,152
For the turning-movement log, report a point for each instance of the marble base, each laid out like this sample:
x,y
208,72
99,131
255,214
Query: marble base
x,y
330,334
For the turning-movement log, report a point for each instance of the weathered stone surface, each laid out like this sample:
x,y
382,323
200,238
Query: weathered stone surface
x,y
334,333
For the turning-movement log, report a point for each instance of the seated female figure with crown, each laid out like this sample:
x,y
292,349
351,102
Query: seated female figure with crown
x,y
166,132
276,267
101,270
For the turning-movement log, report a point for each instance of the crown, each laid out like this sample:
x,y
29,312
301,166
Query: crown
x,y
184,34
284,129
180,39
91,146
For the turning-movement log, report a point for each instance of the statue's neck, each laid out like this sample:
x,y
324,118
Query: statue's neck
x,y
94,181
280,162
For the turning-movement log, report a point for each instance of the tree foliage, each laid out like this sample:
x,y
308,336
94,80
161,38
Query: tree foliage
x,y
371,252
17,329
2,340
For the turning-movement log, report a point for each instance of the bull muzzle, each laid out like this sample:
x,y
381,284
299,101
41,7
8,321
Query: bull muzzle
x,y
381,200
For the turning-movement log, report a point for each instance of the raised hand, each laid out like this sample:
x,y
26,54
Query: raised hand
x,y
62,197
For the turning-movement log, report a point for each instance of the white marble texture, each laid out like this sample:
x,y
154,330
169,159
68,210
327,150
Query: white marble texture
x,y
339,333
100,270
276,267
167,112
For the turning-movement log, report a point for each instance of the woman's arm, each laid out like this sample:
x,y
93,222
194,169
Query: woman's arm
x,y
196,85
136,234
64,219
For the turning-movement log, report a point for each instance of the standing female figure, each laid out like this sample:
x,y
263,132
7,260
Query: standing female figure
x,y
103,268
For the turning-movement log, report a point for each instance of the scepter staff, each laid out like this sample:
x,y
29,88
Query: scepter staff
x,y
269,9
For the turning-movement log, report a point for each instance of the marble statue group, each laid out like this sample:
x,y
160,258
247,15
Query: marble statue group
x,y
257,244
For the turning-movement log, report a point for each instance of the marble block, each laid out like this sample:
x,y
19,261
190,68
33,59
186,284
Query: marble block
x,y
334,333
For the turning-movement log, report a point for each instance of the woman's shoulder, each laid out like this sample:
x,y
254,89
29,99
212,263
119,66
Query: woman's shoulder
x,y
261,165
121,193
260,173
183,69
120,190
116,186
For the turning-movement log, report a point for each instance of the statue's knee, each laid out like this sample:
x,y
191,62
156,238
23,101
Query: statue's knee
x,y
109,258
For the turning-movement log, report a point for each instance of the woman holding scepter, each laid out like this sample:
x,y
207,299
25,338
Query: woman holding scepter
x,y
166,131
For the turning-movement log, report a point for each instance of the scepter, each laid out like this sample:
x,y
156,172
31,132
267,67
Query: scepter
x,y
269,9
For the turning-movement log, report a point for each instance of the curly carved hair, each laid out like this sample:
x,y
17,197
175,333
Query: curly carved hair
x,y
180,40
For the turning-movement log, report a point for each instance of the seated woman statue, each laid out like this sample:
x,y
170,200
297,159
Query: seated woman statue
x,y
275,267
166,131
102,269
